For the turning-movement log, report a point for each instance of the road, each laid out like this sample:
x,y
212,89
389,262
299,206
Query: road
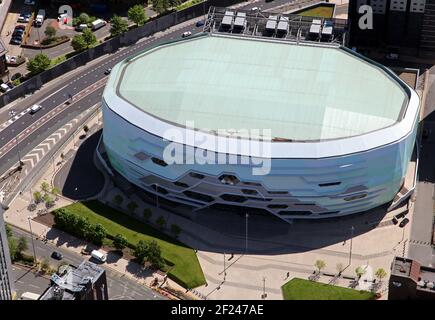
x,y
118,286
24,134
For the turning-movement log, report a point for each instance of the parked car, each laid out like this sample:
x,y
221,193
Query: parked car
x,y
18,33
16,41
10,85
200,23
395,220
4,87
108,71
57,255
16,76
404,222
186,34
20,26
24,17
81,27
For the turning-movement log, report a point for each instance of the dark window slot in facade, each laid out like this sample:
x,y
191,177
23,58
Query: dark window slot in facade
x,y
255,184
249,191
159,162
277,206
356,197
329,184
329,212
304,204
181,184
233,198
278,192
159,189
196,175
198,196
295,213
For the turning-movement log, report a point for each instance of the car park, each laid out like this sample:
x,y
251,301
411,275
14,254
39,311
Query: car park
x,y
57,255
404,222
187,34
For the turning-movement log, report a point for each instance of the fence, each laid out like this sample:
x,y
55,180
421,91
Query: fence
x,y
111,46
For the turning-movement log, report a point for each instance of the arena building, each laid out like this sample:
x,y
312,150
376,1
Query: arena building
x,y
330,132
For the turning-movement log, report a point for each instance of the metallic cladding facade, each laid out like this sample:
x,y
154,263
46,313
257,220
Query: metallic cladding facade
x,y
307,180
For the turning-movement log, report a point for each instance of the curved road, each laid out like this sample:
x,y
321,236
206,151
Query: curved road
x,y
23,135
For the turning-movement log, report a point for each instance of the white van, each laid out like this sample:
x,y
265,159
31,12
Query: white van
x,y
29,296
99,255
98,24
35,108
4,87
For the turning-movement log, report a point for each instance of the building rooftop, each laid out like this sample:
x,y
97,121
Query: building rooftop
x,y
72,281
301,92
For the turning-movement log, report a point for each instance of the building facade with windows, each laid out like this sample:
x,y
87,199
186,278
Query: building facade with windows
x,y
396,24
339,129
6,284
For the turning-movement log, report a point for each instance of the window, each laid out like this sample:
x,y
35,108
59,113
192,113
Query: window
x,y
355,197
181,184
294,213
159,162
278,192
196,175
233,198
249,191
329,212
329,184
277,206
229,179
159,189
255,184
304,204
198,196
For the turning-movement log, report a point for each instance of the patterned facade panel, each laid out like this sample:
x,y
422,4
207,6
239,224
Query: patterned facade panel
x,y
328,186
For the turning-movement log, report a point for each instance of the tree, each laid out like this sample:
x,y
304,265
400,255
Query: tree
x,y
132,206
320,264
118,26
175,230
147,213
13,249
160,5
339,268
8,230
37,196
78,43
89,38
137,14
118,200
45,265
55,191
45,187
98,234
38,64
359,272
380,274
154,254
120,242
161,222
22,244
141,250
83,18
50,32
47,198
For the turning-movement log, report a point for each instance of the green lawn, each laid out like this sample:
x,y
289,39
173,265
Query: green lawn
x,y
186,270
320,11
300,289
188,4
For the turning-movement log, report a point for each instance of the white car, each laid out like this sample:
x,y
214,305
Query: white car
x,y
255,9
35,108
186,34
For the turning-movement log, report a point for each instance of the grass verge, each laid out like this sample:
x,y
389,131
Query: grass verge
x,y
186,270
300,289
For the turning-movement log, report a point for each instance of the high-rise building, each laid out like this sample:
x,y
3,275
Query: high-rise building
x,y
6,285
396,24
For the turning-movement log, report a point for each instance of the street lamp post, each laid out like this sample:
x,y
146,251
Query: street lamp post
x,y
264,289
31,235
350,249
246,233
225,269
